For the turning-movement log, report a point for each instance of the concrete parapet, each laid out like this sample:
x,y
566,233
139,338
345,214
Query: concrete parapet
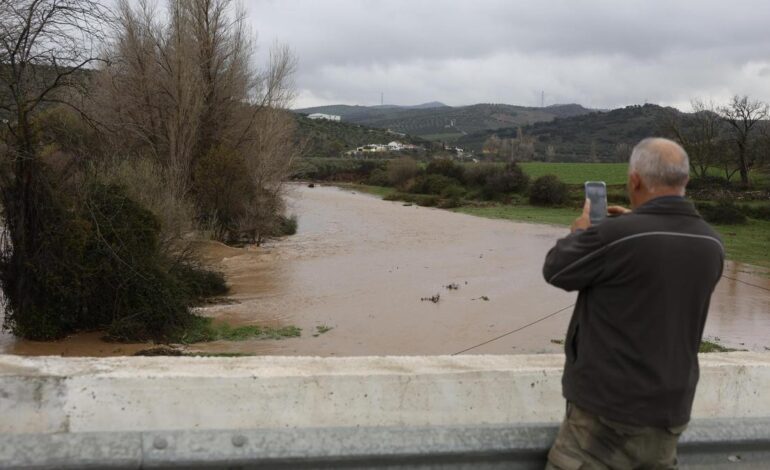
x,y
54,395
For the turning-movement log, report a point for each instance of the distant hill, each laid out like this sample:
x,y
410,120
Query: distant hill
x,y
323,138
436,121
602,136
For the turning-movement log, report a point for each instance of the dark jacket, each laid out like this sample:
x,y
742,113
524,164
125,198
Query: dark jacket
x,y
645,282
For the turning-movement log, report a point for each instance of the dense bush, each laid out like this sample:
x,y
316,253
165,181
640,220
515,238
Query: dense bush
x,y
432,184
42,287
511,179
287,225
198,282
378,177
335,169
454,192
548,190
477,174
401,171
723,212
445,167
127,286
104,270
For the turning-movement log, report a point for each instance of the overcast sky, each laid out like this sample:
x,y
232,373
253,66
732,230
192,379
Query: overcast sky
x,y
601,54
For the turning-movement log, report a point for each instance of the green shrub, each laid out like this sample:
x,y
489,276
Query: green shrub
x,y
198,282
52,275
511,179
724,212
477,173
454,191
127,287
378,177
548,190
432,184
445,167
287,225
102,269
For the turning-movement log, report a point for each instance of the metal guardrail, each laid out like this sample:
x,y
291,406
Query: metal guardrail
x,y
707,444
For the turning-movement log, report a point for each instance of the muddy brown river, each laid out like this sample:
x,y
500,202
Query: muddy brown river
x,y
361,266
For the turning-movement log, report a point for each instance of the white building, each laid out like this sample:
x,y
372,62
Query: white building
x,y
329,117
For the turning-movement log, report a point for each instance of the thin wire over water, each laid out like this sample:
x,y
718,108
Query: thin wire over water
x,y
516,330
569,306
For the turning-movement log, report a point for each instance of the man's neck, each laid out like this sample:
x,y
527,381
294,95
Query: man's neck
x,y
643,199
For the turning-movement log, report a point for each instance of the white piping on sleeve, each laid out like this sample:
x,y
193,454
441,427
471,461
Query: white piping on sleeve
x,y
630,237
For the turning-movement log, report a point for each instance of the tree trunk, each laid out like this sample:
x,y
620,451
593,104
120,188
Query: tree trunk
x,y
743,167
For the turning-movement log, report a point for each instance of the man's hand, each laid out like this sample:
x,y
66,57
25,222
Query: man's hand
x,y
617,210
584,221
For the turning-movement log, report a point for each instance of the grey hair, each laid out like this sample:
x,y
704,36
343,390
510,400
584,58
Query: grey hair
x,y
660,162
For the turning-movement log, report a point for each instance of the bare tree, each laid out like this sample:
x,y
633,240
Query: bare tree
x,y
702,134
187,90
742,115
46,49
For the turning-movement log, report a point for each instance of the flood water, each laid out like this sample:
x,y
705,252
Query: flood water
x,y
361,266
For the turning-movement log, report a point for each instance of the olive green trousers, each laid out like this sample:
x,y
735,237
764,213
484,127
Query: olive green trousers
x,y
586,441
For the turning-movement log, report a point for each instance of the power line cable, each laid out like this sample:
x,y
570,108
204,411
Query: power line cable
x,y
514,331
569,306
744,282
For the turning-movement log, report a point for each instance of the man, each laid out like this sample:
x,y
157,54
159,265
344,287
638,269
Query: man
x,y
645,279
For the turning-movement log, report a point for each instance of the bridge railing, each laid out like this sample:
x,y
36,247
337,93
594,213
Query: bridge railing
x,y
400,412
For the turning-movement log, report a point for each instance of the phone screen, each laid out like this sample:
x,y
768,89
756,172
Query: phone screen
x,y
596,192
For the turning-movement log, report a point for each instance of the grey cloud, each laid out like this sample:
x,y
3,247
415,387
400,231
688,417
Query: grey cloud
x,y
600,53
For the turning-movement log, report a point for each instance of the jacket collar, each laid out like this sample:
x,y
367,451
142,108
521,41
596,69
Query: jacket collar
x,y
668,205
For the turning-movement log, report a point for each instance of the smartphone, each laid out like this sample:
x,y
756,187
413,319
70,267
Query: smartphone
x,y
596,192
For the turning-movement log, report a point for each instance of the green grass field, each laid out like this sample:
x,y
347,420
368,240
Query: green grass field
x,y
524,213
748,243
745,243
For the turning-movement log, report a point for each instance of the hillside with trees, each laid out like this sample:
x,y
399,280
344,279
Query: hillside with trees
x,y
596,136
446,123
328,139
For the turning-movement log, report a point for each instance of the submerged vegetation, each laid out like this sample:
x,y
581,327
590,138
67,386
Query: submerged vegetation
x,y
205,329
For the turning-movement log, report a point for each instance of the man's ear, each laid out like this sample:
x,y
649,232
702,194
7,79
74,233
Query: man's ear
x,y
634,181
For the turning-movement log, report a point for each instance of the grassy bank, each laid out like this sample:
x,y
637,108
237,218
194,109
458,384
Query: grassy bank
x,y
748,243
380,191
206,329
523,213
745,243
